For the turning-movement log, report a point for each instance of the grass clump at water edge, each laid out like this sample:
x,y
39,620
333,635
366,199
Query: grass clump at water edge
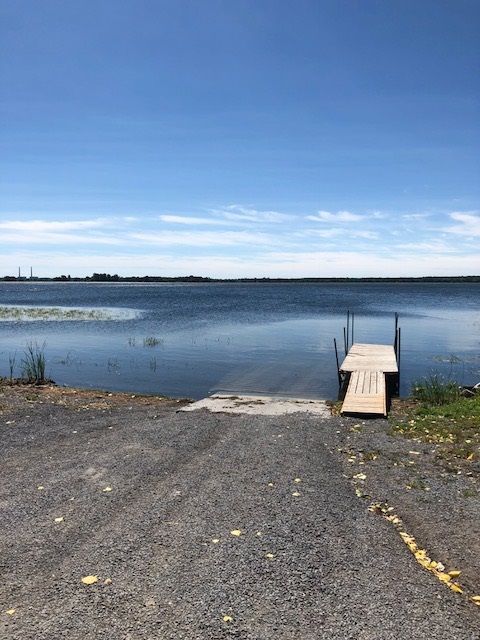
x,y
442,415
34,363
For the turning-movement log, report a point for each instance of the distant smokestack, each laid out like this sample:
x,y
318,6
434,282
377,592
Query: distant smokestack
x,y
19,272
31,272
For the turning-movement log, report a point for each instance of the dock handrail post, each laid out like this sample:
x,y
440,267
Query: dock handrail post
x,y
353,320
396,333
345,340
338,366
348,328
399,341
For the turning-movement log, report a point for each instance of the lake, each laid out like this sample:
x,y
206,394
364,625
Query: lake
x,y
188,340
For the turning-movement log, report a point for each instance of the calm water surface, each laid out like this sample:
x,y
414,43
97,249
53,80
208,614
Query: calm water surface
x,y
192,339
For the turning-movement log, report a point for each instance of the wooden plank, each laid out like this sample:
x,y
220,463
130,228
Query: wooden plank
x,y
366,393
370,357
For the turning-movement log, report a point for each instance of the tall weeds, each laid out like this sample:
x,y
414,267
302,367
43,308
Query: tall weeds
x,y
33,363
435,390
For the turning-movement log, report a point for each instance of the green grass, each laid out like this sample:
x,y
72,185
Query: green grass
x,y
33,363
442,416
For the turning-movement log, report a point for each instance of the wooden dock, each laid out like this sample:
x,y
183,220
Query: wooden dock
x,y
367,366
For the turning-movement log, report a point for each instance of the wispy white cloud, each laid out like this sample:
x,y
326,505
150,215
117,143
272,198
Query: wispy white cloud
x,y
33,226
340,216
334,232
415,216
42,237
240,213
469,224
194,221
430,247
206,238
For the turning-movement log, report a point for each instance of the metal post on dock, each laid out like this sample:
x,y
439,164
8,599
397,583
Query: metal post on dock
x,y
353,320
348,329
396,333
399,342
345,340
338,365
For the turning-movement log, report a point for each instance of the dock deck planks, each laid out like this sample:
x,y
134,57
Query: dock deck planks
x,y
368,365
370,357
366,393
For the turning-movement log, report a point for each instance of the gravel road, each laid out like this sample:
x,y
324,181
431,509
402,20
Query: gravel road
x,y
310,561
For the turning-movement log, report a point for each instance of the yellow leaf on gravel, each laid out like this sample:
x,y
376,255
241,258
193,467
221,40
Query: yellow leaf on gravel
x,y
297,480
59,519
236,532
455,587
454,573
40,487
296,494
475,599
269,556
107,489
470,457
215,540
227,618
89,579
360,476
10,612
444,577
270,484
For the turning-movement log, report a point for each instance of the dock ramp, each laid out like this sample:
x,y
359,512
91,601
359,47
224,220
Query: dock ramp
x,y
367,366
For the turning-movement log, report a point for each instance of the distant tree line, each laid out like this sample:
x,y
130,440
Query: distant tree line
x,y
107,277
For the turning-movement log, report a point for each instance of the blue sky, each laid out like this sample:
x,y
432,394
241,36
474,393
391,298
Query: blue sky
x,y
240,138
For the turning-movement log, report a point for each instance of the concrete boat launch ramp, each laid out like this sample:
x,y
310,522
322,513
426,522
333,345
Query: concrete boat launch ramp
x,y
259,405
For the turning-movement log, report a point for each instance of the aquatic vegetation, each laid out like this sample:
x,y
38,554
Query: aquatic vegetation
x,y
152,341
12,359
33,363
27,313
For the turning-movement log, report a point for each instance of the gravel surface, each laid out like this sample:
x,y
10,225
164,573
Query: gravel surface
x,y
310,561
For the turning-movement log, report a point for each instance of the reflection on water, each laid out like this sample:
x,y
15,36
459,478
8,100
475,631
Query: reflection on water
x,y
189,340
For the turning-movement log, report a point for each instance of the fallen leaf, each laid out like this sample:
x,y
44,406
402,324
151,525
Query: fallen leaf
x,y
475,599
227,618
107,581
107,489
455,587
297,480
60,519
10,612
89,579
269,556
360,476
215,540
270,484
296,494
470,457
414,453
454,573
236,532
40,487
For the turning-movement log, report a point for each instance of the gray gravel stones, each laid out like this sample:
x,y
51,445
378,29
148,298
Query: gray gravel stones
x,y
180,481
